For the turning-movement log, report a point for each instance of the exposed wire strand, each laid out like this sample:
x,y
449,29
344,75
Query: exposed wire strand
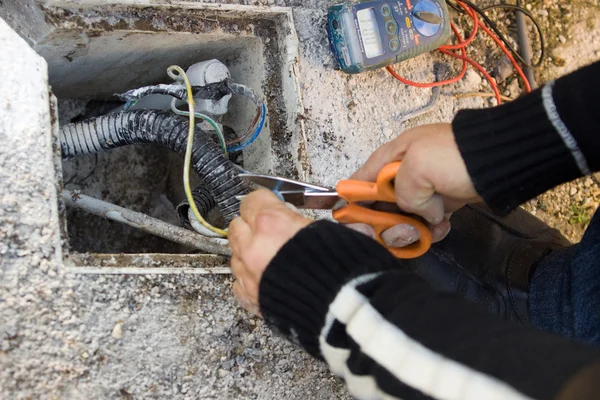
x,y
205,118
177,73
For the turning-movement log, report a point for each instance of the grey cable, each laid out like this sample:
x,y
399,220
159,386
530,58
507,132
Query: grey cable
x,y
146,223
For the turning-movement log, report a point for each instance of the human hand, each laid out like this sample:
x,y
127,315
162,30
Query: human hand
x,y
255,237
432,181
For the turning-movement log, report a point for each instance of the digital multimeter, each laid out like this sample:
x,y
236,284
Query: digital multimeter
x,y
369,34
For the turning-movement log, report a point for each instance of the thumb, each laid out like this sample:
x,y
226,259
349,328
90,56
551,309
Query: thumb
x,y
417,195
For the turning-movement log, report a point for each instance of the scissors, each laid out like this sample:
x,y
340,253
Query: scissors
x,y
344,201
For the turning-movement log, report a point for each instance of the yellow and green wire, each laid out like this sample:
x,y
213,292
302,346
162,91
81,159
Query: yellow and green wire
x,y
177,73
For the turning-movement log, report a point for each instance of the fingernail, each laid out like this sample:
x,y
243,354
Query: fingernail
x,y
400,235
440,232
435,219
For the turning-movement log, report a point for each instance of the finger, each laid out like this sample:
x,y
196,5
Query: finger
x,y
440,231
238,268
258,201
400,235
239,292
246,277
452,205
239,235
244,299
417,195
363,228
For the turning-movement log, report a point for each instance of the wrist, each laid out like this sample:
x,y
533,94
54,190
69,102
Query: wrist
x,y
512,152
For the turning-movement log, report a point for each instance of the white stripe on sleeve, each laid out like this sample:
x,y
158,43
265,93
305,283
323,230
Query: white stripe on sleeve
x,y
406,359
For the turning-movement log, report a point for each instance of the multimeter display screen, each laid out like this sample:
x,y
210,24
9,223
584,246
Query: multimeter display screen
x,y
369,32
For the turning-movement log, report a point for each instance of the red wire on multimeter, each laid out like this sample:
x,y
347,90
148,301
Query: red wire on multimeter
x,y
461,46
457,78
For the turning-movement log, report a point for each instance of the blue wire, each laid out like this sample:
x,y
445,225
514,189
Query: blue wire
x,y
259,128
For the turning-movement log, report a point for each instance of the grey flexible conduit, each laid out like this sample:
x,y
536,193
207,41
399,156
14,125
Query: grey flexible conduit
x,y
165,129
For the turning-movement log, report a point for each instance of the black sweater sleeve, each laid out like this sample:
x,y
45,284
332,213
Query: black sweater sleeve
x,y
345,299
521,149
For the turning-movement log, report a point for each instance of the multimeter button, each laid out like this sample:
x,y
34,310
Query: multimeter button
x,y
386,11
394,45
391,27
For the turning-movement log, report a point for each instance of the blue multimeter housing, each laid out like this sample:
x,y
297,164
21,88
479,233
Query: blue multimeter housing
x,y
370,34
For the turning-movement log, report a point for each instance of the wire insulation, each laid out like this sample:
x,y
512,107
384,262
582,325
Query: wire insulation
x,y
257,132
495,28
258,122
471,10
457,78
205,118
177,73
533,20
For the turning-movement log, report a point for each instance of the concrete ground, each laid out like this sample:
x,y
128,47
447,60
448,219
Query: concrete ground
x,y
67,336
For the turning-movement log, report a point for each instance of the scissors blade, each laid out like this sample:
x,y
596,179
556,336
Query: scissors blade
x,y
310,200
313,200
282,184
301,194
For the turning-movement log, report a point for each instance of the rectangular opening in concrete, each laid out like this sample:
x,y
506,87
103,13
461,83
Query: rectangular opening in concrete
x,y
99,50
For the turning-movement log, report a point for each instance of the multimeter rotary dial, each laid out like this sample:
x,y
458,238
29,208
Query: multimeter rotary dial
x,y
427,18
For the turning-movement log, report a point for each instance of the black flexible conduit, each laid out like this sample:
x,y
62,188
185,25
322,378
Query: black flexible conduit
x,y
204,201
165,129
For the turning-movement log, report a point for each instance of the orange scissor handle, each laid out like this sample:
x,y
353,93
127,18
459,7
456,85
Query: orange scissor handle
x,y
382,190
382,221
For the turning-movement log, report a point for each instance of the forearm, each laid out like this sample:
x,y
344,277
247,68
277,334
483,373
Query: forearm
x,y
521,149
384,330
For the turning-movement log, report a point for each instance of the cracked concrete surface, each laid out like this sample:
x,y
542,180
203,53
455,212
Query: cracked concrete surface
x,y
181,337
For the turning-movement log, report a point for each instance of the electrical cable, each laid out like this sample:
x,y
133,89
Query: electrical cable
x,y
455,7
466,8
249,132
205,118
258,122
256,132
495,28
165,129
481,69
510,57
213,91
533,20
177,74
457,78
479,94
471,13
468,40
